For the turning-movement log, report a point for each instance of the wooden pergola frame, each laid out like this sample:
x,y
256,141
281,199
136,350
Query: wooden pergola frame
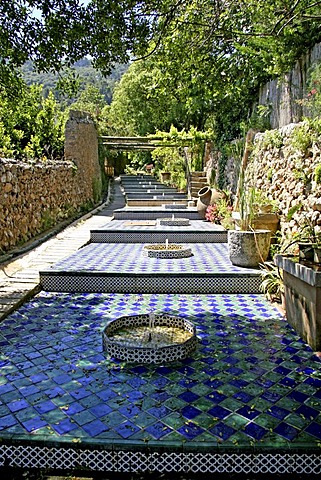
x,y
138,143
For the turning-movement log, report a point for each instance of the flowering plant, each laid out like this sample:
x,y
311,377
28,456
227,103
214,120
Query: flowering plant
x,y
212,214
220,213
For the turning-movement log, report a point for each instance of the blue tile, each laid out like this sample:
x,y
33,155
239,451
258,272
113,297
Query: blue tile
x,y
190,430
286,431
45,407
95,428
216,397
298,396
213,383
158,430
239,383
7,421
243,396
288,382
222,431
307,412
80,393
54,392
72,408
219,412
271,396
255,431
17,405
34,424
127,429
100,410
188,397
160,396
190,412
64,426
61,379
129,410
248,412
314,429
278,412
314,382
159,412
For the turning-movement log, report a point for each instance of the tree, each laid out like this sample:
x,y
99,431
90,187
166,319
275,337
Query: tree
x,y
141,104
211,54
31,126
54,33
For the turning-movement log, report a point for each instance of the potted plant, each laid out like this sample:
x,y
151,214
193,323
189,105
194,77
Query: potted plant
x,y
272,283
308,237
247,245
220,213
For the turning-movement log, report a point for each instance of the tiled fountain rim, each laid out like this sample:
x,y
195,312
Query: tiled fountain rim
x,y
136,459
146,353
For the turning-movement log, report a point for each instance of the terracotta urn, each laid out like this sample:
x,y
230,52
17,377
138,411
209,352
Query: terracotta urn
x,y
203,201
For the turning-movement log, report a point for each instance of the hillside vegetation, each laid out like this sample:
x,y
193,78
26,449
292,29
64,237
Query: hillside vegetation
x,y
83,73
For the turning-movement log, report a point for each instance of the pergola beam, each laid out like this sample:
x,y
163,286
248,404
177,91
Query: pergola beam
x,y
139,143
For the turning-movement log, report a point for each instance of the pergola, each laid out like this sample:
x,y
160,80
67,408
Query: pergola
x,y
138,143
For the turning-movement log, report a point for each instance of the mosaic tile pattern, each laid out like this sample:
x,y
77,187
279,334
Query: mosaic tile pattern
x,y
125,258
251,383
123,232
129,213
149,283
196,227
125,268
157,237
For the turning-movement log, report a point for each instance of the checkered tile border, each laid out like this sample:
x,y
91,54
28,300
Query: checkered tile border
x,y
150,283
153,215
157,237
19,456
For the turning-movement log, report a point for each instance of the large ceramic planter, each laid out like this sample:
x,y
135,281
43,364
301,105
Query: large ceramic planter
x,y
248,248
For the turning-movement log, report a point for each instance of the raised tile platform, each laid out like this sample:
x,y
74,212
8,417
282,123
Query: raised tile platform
x,y
157,202
132,231
248,400
152,213
124,268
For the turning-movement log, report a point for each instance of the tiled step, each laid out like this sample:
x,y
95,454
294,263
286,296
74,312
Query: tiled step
x,y
155,194
123,268
149,231
136,213
137,202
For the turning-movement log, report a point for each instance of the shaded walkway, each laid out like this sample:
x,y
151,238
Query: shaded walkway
x,y
19,278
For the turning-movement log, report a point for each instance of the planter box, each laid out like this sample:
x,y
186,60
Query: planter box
x,y
302,292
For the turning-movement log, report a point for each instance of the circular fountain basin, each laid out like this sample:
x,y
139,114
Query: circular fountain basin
x,y
131,338
174,222
172,250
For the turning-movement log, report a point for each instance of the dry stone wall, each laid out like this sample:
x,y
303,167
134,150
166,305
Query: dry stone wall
x,y
286,174
35,195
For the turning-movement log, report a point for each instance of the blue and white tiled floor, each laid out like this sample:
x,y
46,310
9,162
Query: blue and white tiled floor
x,y
252,384
247,401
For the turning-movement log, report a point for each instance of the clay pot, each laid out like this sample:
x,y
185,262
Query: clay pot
x,y
203,201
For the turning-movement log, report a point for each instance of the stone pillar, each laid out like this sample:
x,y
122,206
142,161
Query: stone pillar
x,y
81,147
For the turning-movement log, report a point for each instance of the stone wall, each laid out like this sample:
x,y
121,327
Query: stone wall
x,y
81,148
286,174
35,195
